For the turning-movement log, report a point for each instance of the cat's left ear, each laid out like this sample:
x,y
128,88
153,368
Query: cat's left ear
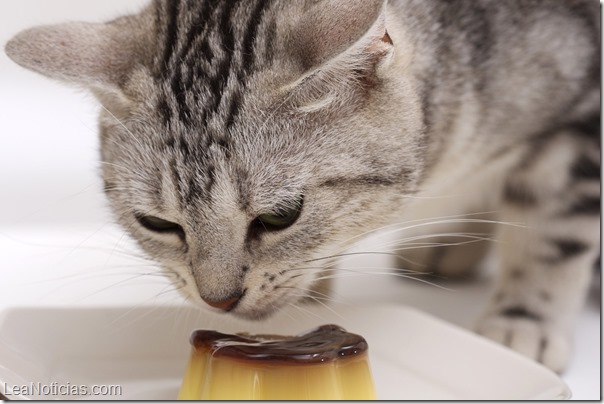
x,y
96,56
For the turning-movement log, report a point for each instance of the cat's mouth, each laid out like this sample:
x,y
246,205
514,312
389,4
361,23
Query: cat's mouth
x,y
261,308
247,312
252,307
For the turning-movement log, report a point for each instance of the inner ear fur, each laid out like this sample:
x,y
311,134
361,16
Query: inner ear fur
x,y
342,58
330,27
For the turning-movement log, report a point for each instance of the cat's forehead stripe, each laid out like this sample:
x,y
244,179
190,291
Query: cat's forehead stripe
x,y
205,60
176,179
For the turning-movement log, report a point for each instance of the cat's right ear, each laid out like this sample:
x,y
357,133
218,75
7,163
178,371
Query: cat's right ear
x,y
96,56
353,29
342,48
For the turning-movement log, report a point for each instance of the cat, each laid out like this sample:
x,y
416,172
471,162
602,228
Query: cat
x,y
245,143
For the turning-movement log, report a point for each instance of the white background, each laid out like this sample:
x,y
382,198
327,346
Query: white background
x,y
57,241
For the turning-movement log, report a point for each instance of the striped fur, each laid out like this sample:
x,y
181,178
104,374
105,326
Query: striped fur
x,y
207,52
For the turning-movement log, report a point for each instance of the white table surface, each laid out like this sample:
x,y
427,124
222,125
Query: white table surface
x,y
57,240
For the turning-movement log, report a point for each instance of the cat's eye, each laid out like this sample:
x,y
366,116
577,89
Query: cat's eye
x,y
159,225
283,218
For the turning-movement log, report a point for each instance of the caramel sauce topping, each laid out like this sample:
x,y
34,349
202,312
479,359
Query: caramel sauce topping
x,y
323,344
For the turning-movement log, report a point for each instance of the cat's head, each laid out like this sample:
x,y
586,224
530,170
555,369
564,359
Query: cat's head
x,y
243,143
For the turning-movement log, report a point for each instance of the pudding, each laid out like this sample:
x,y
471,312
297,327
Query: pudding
x,y
327,363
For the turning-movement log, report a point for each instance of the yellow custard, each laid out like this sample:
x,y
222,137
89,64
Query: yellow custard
x,y
326,363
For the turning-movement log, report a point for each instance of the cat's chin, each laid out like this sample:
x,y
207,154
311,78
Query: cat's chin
x,y
258,312
254,315
246,314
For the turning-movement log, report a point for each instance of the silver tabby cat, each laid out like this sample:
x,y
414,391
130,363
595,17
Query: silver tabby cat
x,y
244,141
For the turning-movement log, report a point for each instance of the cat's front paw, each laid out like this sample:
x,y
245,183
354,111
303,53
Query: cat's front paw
x,y
529,337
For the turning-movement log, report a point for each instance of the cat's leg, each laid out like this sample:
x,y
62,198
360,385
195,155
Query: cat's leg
x,y
547,259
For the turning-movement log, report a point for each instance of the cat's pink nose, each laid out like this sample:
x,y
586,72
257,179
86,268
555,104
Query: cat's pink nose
x,y
225,304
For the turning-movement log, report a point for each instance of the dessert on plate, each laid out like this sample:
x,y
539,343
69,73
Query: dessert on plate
x,y
327,363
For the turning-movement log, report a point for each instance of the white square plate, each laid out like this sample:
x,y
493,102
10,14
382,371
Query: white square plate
x,y
144,351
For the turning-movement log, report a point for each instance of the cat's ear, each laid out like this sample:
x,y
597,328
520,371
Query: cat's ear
x,y
97,56
333,28
342,46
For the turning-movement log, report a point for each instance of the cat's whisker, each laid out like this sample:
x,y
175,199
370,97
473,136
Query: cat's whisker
x,y
473,238
128,131
395,225
111,164
458,221
318,270
422,222
98,291
372,273
391,254
116,189
79,246
49,205
392,271
285,311
95,274
412,223
347,272
331,309
425,197
168,290
308,292
304,311
351,254
370,270
149,310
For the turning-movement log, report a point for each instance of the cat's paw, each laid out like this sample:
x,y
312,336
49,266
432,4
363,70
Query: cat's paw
x,y
529,337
